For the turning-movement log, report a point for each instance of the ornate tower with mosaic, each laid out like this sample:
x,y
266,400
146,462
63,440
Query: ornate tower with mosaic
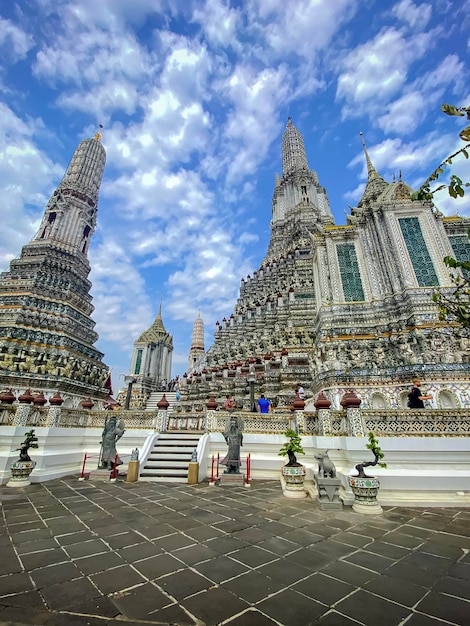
x,y
196,352
336,307
47,334
151,360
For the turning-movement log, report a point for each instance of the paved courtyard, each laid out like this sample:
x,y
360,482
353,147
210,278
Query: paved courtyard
x,y
97,553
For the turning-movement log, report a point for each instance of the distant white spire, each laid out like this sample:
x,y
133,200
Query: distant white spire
x,y
294,157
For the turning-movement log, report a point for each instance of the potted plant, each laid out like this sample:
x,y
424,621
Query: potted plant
x,y
365,488
22,468
293,472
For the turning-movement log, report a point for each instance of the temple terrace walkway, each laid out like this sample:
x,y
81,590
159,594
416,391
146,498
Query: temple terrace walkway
x,y
97,553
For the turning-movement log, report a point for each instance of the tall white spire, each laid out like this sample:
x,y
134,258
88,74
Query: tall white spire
x,y
375,184
197,342
70,215
294,157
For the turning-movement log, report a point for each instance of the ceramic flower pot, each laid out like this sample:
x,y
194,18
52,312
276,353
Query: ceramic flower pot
x,y
293,481
20,471
365,492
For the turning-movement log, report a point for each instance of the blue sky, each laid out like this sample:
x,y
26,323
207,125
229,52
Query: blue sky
x,y
194,97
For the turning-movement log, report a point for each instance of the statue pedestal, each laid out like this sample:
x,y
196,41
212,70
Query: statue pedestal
x,y
193,473
232,480
328,493
133,472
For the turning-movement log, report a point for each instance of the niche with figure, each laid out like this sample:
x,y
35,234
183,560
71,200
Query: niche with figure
x,y
447,400
86,235
378,401
48,227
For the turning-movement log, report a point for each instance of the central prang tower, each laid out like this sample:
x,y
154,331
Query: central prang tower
x,y
47,334
340,307
300,203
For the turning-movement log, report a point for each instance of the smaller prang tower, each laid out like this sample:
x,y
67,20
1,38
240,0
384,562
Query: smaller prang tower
x,y
196,352
47,334
151,361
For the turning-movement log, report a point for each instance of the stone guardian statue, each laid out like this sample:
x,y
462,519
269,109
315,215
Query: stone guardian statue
x,y
234,437
112,432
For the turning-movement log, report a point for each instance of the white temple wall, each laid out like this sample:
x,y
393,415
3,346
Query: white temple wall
x,y
61,450
428,470
432,471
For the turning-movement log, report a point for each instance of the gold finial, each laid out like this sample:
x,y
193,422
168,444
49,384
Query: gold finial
x,y
98,134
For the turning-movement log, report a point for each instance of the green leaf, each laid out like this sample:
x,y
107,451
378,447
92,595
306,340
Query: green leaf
x,y
465,134
448,109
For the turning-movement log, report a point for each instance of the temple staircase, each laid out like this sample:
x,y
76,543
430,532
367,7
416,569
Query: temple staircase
x,y
170,456
156,396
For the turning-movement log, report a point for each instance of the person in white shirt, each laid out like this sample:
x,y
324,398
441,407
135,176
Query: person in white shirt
x,y
300,391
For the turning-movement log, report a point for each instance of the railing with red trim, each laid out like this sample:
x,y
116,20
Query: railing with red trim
x,y
215,464
215,469
248,470
113,472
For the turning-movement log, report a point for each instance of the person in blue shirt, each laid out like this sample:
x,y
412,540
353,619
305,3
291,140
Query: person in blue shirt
x,y
264,406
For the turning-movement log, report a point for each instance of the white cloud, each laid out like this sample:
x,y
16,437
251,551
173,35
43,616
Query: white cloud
x,y
116,284
422,95
14,42
403,115
219,22
154,193
375,71
393,154
449,71
109,97
416,16
99,71
302,28
25,178
186,68
256,97
106,13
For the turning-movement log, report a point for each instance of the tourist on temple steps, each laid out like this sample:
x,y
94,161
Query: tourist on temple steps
x,y
300,391
229,403
415,397
264,406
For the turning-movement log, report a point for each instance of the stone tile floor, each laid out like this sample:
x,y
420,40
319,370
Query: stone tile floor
x,y
97,553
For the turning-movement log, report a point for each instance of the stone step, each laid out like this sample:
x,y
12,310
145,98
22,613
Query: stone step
x,y
156,396
164,463
169,451
169,458
182,432
165,471
174,448
179,436
175,441
168,462
164,479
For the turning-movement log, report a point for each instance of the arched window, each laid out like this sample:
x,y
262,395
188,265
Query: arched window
x,y
447,400
378,401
